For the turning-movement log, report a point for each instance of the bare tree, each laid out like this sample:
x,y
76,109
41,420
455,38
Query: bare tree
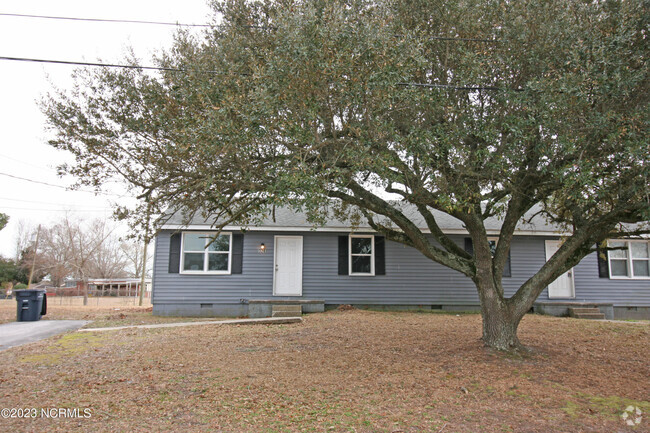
x,y
108,259
84,247
25,235
76,248
133,251
54,253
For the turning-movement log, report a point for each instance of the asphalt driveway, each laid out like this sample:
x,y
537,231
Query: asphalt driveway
x,y
19,333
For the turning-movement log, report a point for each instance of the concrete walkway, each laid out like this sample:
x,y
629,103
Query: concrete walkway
x,y
262,321
19,333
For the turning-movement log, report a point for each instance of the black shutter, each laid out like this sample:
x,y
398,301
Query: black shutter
x,y
343,255
507,269
174,253
237,253
603,266
380,255
469,247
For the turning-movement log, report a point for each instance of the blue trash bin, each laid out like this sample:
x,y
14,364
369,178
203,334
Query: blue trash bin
x,y
31,305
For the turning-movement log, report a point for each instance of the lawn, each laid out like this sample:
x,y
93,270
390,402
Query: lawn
x,y
337,371
106,315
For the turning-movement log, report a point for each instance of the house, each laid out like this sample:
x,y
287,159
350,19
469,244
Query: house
x,y
247,271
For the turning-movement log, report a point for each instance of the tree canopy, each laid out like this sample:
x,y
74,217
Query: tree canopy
x,y
4,219
473,108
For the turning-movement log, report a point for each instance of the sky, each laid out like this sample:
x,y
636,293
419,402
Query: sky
x,y
24,151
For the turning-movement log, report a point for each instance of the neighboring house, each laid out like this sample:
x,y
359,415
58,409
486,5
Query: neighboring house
x,y
118,287
103,287
247,269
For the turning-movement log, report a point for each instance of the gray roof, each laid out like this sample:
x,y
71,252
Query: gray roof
x,y
287,218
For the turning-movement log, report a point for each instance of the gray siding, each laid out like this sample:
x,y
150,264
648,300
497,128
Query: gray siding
x,y
411,278
621,292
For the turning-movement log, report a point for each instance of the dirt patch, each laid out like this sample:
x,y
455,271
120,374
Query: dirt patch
x,y
339,371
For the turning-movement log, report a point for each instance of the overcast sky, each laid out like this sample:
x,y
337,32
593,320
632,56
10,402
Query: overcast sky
x,y
24,151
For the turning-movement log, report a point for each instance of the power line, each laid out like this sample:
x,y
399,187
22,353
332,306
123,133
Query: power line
x,y
56,210
449,86
105,20
41,167
107,65
59,186
112,65
43,202
177,24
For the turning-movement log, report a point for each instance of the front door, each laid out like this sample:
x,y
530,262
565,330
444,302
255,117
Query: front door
x,y
563,286
287,274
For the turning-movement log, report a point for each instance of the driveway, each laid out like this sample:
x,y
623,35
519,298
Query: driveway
x,y
19,333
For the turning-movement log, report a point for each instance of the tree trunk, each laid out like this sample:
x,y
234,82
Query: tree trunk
x,y
85,284
500,328
500,319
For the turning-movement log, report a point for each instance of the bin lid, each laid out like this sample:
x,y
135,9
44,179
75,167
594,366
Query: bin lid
x,y
24,293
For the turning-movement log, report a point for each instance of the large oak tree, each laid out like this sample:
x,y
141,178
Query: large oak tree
x,y
469,107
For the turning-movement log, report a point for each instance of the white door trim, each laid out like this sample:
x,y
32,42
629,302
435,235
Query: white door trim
x,y
547,243
275,262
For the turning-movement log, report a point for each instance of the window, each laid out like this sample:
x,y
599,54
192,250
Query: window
x,y
631,262
493,245
362,255
203,253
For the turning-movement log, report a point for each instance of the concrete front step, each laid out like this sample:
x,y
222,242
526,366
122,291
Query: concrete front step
x,y
286,311
594,316
583,310
264,307
286,314
292,308
593,313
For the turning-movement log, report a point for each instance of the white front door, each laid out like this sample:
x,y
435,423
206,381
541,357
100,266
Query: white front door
x,y
563,286
287,274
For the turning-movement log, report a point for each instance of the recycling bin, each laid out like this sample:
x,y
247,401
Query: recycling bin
x,y
31,305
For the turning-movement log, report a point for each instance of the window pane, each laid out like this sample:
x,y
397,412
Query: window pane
x,y
222,243
193,262
619,268
493,247
639,250
641,268
194,241
361,245
361,264
618,254
217,262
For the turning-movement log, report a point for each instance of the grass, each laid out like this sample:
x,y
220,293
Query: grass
x,y
68,346
139,318
610,406
339,371
104,316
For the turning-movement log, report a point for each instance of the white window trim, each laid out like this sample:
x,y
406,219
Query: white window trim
x,y
372,256
206,254
629,259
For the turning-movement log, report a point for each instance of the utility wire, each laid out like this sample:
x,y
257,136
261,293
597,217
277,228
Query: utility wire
x,y
107,65
177,24
40,167
102,210
44,202
104,20
121,21
201,71
449,86
60,186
